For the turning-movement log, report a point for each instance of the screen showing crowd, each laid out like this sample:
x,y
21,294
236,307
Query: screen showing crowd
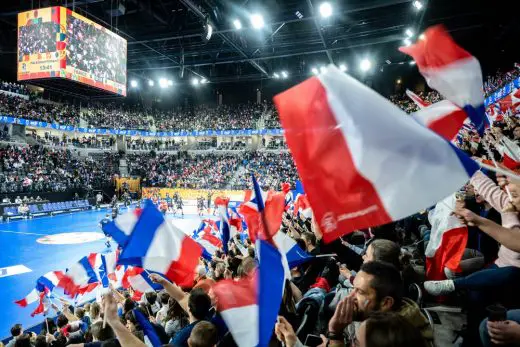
x,y
95,51
56,42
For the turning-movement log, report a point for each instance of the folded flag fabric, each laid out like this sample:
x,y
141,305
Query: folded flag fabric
x,y
43,304
250,305
159,246
262,212
380,165
33,296
444,117
448,240
452,71
417,99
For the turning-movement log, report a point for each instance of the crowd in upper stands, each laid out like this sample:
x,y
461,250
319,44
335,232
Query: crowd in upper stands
x,y
500,79
40,169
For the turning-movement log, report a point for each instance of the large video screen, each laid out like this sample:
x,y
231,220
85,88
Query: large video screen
x,y
55,42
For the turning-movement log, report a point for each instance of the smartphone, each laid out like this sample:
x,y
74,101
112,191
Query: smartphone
x,y
313,340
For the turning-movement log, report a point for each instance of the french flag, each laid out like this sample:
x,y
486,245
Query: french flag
x,y
250,305
262,212
452,71
443,117
33,296
301,203
43,303
510,153
225,228
448,240
79,275
148,330
46,282
210,243
417,99
159,246
121,227
141,283
380,165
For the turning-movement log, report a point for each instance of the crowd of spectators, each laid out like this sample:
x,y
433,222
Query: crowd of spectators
x,y
407,105
38,38
500,79
14,87
40,169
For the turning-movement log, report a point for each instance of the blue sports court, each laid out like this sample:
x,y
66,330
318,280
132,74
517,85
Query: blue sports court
x,y
36,246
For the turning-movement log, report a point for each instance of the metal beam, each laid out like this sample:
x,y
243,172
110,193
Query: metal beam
x,y
190,5
318,28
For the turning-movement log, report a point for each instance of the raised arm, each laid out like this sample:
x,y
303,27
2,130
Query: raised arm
x,y
173,290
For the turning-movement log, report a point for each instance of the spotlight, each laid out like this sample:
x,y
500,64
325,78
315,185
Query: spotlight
x,y
409,32
412,62
343,67
150,83
407,42
257,21
195,81
422,37
388,61
398,81
284,74
133,83
418,5
325,9
238,24
203,81
163,82
323,69
170,83
315,71
275,75
365,65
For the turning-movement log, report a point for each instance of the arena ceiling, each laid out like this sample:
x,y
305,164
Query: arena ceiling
x,y
165,37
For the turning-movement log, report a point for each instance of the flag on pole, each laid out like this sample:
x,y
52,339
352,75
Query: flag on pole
x,y
148,330
362,161
444,117
448,240
159,246
225,230
79,275
250,306
452,71
510,152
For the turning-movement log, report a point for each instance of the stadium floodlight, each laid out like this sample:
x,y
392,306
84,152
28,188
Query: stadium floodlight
x,y
285,74
170,83
422,37
209,32
325,10
409,32
195,81
315,71
257,21
418,5
343,67
407,42
133,84
163,82
412,62
398,81
323,69
238,24
150,83
276,75
203,81
365,65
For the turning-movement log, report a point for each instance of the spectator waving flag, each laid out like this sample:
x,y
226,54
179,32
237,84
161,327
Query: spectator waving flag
x,y
46,282
148,330
452,71
448,240
262,212
250,306
380,165
157,245
121,227
141,283
301,203
417,99
510,152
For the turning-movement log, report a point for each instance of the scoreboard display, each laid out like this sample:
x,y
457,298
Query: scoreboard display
x,y
56,42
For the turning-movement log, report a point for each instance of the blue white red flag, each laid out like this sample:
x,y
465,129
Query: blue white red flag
x,y
380,165
250,306
443,117
417,99
79,276
262,212
225,228
159,246
121,227
452,71
148,330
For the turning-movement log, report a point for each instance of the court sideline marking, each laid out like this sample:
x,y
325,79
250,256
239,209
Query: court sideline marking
x,y
22,233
